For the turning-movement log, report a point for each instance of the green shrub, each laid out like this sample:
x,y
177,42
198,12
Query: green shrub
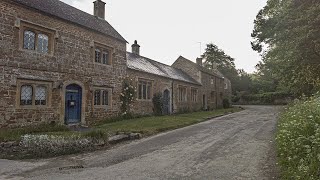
x,y
226,103
157,104
298,140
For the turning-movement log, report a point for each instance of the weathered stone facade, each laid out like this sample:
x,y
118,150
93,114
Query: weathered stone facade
x,y
70,61
77,77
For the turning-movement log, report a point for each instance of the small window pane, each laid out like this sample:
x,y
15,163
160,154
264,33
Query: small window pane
x,y
149,91
105,58
140,91
26,95
144,87
105,98
97,97
29,40
43,41
97,56
40,96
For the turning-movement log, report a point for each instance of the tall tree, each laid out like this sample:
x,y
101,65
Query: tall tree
x,y
287,34
216,58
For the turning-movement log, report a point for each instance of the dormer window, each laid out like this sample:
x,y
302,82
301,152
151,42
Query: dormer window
x,y
102,55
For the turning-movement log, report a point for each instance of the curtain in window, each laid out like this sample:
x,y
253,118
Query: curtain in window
x,y
97,56
105,97
40,95
29,40
97,97
43,41
26,95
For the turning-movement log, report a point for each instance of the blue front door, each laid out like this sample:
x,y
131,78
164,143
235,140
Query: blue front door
x,y
73,104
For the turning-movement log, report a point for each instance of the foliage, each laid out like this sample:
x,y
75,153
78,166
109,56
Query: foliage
x,y
157,104
286,33
156,124
298,140
15,134
127,96
267,98
226,103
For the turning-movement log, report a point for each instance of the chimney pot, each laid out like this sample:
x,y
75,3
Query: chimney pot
x,y
199,61
136,48
99,9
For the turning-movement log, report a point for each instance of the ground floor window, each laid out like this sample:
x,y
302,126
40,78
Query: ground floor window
x,y
182,94
194,95
33,93
102,97
144,90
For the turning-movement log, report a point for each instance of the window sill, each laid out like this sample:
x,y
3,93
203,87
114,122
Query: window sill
x,y
101,64
33,107
50,54
144,100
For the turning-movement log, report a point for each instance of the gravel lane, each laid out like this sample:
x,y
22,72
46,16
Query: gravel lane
x,y
236,146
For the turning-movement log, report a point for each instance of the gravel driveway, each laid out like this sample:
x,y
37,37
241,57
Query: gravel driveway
x,y
236,146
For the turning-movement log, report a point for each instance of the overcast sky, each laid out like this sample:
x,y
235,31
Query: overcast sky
x,y
166,29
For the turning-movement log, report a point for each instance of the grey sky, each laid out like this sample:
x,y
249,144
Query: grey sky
x,y
168,28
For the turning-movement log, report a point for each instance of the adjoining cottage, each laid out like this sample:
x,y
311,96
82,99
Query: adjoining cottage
x,y
58,63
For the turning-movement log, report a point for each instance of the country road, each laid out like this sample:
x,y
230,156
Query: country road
x,y
236,146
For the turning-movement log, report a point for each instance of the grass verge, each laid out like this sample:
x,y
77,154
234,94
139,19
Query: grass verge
x,y
298,140
155,124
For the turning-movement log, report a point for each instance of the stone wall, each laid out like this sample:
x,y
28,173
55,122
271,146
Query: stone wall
x,y
160,84
72,61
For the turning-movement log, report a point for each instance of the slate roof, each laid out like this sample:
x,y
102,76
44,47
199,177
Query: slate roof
x,y
147,65
66,12
214,72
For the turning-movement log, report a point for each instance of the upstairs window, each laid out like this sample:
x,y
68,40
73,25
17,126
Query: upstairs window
x,y
43,43
35,41
102,55
29,39
144,90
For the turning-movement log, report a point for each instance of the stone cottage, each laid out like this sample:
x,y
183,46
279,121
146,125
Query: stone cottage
x,y
58,63
179,90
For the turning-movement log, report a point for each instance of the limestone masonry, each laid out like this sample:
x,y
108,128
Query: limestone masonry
x,y
60,64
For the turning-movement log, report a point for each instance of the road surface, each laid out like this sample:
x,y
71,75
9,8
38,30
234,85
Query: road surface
x,y
236,146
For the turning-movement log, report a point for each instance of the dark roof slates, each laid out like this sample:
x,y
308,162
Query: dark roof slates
x,y
64,11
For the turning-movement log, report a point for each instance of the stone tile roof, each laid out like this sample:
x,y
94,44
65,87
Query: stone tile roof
x,y
214,72
147,65
66,12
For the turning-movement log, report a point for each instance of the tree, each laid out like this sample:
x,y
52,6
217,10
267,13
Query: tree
x,y
216,58
287,35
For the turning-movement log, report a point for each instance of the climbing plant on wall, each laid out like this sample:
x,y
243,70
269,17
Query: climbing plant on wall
x,y
127,96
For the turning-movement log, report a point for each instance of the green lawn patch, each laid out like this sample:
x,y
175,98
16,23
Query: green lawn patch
x,y
155,124
298,140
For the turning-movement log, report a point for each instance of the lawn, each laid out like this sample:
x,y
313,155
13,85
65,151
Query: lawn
x,y
146,125
152,125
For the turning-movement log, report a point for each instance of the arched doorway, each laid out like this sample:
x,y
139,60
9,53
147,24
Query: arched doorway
x,y
73,103
166,102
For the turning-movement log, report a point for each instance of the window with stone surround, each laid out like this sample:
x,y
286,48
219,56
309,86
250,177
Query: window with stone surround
x,y
33,93
36,38
102,54
194,94
144,89
102,97
182,94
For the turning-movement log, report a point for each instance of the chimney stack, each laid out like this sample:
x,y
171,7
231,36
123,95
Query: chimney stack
x,y
99,9
199,61
135,48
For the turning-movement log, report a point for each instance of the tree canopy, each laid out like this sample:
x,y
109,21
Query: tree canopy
x,y
287,34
